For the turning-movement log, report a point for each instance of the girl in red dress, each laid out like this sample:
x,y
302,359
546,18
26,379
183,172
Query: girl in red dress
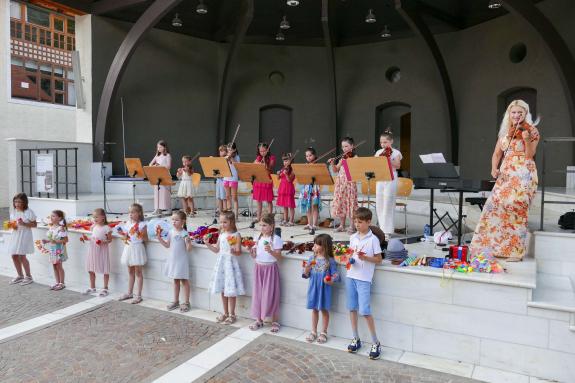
x,y
286,190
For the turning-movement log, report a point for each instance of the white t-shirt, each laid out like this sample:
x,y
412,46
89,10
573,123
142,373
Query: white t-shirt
x,y
262,256
394,154
369,244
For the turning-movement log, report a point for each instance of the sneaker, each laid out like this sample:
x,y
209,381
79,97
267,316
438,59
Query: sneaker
x,y
16,280
354,345
173,306
375,351
26,281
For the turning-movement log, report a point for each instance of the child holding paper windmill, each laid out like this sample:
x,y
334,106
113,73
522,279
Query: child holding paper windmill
x,y
22,220
57,237
98,259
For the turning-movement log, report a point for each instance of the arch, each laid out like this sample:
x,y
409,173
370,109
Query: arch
x,y
149,18
276,123
525,93
396,115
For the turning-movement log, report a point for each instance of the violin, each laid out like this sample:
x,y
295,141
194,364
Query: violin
x,y
386,152
518,131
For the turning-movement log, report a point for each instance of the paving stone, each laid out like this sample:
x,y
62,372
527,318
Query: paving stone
x,y
115,342
274,359
20,303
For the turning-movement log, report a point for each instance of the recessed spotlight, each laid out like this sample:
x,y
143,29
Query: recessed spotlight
x,y
292,3
202,8
280,36
370,18
176,21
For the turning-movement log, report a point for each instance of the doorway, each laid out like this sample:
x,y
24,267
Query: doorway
x,y
396,117
276,124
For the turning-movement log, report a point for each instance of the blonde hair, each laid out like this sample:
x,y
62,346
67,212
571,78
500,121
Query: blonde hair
x,y
100,211
230,216
506,122
137,207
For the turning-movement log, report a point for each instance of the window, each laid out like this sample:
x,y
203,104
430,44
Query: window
x,y
41,42
38,16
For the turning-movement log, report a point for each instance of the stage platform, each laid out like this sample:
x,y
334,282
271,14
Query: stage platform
x,y
520,321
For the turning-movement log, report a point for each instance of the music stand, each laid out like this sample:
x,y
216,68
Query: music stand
x,y
369,168
215,167
135,170
158,176
312,174
252,172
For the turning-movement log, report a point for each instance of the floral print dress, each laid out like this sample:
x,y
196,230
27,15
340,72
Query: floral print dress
x,y
344,195
57,251
227,276
502,227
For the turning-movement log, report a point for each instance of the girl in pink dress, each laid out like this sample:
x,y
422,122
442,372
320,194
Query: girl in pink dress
x,y
263,192
162,198
98,260
345,192
286,190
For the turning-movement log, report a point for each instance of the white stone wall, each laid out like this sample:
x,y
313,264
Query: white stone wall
x,y
478,318
34,120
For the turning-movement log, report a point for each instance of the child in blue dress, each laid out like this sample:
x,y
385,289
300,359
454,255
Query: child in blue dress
x,y
321,270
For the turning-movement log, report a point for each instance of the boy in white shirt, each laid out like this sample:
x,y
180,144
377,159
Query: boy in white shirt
x,y
367,253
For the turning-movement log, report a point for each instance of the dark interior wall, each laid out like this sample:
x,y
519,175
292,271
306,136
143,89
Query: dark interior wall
x,y
170,91
478,61
171,87
363,87
304,89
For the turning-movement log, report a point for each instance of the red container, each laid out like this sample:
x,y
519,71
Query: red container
x,y
459,252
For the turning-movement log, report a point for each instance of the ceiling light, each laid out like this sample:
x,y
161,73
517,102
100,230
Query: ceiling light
x,y
176,21
202,8
292,3
284,24
370,18
386,32
280,36
494,4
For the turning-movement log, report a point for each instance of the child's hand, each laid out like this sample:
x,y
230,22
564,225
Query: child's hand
x,y
20,222
206,238
253,252
328,280
44,241
361,256
268,248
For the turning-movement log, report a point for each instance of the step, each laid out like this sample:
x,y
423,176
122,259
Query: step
x,y
553,299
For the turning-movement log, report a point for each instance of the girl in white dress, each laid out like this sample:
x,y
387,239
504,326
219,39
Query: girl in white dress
x,y
177,266
134,234
227,276
386,191
162,198
186,190
22,220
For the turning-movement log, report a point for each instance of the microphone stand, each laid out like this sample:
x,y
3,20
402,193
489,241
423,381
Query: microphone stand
x,y
103,174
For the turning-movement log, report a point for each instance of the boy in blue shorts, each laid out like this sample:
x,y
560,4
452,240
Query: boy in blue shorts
x,y
367,253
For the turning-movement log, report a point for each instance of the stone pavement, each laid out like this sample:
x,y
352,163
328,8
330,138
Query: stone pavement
x,y
19,303
274,359
115,342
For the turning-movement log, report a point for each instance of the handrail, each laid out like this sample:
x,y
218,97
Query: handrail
x,y
544,171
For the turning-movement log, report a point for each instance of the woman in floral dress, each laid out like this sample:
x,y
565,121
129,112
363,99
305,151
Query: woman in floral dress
x,y
502,227
345,192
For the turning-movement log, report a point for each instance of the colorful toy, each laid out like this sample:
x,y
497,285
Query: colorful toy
x,y
327,278
10,225
84,238
248,242
40,247
232,240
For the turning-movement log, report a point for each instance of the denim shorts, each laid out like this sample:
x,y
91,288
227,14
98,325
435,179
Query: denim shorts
x,y
358,296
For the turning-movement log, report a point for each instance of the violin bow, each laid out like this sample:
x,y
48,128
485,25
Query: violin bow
x,y
354,147
323,155
235,136
195,157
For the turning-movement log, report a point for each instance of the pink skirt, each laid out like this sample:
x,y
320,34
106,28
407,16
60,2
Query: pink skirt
x,y
263,192
98,259
266,291
286,195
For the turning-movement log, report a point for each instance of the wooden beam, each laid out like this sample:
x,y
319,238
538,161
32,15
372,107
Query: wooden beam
x,y
105,6
329,47
246,17
148,19
559,52
412,17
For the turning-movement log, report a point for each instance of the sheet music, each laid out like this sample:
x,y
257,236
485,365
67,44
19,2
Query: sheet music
x,y
432,158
